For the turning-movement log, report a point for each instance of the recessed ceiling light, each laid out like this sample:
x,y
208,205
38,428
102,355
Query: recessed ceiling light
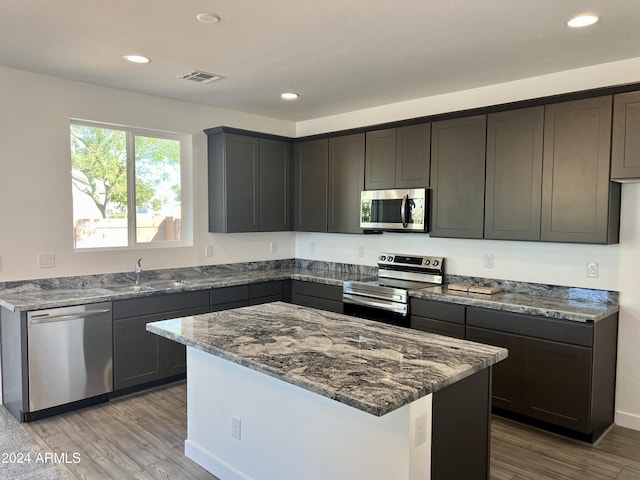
x,y
583,20
207,17
289,96
136,59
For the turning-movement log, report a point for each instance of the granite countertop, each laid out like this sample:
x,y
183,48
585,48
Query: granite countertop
x,y
34,297
370,366
574,309
565,303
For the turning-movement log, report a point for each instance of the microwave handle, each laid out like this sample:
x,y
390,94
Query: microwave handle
x,y
403,210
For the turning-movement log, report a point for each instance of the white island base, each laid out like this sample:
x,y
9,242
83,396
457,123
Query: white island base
x,y
288,433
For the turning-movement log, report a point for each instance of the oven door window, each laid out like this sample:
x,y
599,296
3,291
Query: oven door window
x,y
376,314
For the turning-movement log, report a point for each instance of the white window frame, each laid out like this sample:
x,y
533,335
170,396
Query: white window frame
x,y
186,185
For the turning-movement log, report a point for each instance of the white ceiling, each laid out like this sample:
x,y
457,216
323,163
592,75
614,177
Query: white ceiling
x,y
339,55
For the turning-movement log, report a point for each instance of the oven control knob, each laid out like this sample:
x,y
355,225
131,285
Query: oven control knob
x,y
427,261
390,258
435,263
382,258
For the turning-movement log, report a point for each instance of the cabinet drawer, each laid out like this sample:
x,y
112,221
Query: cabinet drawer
x,y
135,307
436,326
566,331
444,312
266,289
229,294
330,292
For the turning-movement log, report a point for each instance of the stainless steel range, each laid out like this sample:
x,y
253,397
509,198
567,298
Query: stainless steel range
x,y
386,299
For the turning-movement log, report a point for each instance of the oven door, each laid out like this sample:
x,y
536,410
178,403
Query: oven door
x,y
378,310
394,210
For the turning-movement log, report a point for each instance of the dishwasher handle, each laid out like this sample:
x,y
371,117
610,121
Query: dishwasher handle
x,y
36,319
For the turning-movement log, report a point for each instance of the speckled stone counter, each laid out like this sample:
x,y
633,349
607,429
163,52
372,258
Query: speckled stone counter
x,y
371,366
35,296
566,303
578,309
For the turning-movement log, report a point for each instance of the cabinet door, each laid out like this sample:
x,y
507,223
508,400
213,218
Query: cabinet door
x,y
311,160
556,384
625,148
575,184
137,354
380,164
275,186
413,154
457,177
346,181
507,375
242,183
514,174
175,357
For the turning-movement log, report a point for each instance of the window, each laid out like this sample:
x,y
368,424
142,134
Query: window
x,y
127,186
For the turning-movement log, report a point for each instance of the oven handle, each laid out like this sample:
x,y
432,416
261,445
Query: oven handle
x,y
403,210
401,308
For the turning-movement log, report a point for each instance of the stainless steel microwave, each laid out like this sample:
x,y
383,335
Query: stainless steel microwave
x,y
394,210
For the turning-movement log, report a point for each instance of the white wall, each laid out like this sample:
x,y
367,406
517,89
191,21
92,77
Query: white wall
x,y
558,264
35,176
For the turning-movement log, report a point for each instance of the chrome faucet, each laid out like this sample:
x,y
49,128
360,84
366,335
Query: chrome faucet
x,y
138,271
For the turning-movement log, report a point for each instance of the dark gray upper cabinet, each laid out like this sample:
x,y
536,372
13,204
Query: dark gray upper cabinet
x,y
311,177
240,168
346,181
457,177
275,185
579,202
234,183
513,187
413,156
625,148
398,157
380,164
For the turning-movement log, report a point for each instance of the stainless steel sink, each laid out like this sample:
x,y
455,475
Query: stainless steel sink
x,y
130,288
160,284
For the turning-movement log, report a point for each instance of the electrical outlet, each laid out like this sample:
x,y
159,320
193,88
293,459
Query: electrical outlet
x,y
488,260
46,260
361,251
274,247
208,251
236,428
593,269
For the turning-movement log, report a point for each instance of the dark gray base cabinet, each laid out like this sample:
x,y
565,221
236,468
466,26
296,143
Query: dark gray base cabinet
x,y
317,295
558,372
238,296
437,317
141,357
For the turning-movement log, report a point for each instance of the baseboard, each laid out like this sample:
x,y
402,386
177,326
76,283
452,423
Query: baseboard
x,y
628,420
211,463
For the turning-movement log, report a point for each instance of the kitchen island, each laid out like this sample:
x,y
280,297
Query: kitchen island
x,y
283,391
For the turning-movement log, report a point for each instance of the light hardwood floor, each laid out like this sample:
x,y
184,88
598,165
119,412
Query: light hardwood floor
x,y
142,437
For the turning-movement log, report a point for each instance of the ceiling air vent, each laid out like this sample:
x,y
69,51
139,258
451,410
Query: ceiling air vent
x,y
200,77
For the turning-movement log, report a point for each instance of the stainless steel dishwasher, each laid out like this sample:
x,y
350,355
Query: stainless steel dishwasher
x,y
70,354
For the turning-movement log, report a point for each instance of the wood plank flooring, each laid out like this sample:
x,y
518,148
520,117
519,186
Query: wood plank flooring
x,y
142,437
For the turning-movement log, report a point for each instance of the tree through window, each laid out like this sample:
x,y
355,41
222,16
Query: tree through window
x,y
127,188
